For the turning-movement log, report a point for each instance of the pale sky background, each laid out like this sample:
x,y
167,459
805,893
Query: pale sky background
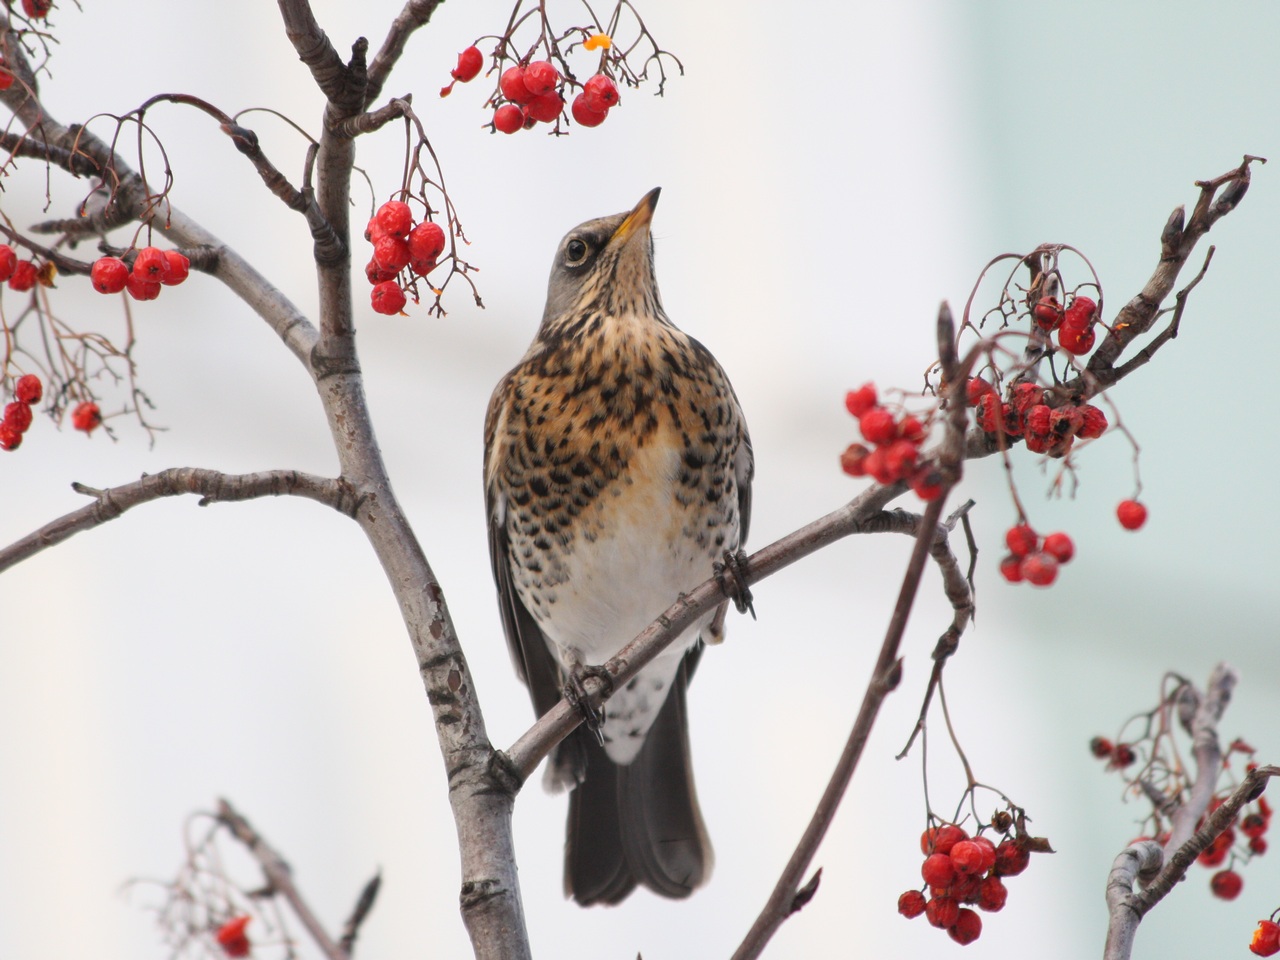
x,y
830,173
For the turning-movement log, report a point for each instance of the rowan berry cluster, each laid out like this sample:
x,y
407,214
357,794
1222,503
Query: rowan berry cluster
x,y
1034,558
533,93
402,250
21,275
18,415
1044,429
232,938
895,445
959,870
152,269
1074,325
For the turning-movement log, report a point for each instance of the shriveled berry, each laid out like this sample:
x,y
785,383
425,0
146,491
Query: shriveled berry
x,y
1266,939
545,108
10,436
140,287
584,115
1131,514
877,466
375,273
1093,423
37,9
394,219
1037,419
109,274
540,78
992,895
911,904
1226,884
601,93
942,911
421,267
1253,825
853,460
1040,569
8,262
1047,313
859,401
968,857
976,389
1021,539
941,839
967,928
391,254
988,853
18,415
1059,546
23,277
508,118
939,869
28,389
1011,568
511,83
86,416
900,458
177,267
470,63
1083,307
1101,747
149,264
966,888
1122,755
877,425
1011,858
991,413
426,241
1076,343
387,298
910,428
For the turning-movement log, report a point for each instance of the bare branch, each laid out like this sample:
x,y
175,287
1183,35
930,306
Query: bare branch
x,y
209,484
351,929
415,14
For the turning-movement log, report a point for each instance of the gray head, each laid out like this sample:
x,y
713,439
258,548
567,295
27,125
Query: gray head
x,y
605,266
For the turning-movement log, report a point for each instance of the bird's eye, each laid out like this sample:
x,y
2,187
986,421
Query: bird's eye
x,y
575,251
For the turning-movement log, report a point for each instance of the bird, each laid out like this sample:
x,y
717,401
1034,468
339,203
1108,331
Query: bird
x,y
617,471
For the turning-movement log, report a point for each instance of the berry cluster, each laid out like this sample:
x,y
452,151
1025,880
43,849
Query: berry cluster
x,y
1044,429
152,269
1074,325
895,451
232,938
1117,755
399,246
1266,939
534,94
21,275
17,413
959,869
1033,558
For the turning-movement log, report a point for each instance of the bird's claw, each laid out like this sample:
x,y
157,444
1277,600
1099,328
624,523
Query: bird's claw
x,y
731,574
575,691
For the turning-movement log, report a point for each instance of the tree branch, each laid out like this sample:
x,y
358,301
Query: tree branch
x,y
415,14
209,484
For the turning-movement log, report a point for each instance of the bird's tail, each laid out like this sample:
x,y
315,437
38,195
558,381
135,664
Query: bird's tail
x,y
638,823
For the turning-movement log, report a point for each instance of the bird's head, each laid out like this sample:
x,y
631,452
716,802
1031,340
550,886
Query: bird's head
x,y
605,267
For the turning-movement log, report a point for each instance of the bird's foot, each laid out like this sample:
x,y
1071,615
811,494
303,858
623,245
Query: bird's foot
x,y
575,691
731,573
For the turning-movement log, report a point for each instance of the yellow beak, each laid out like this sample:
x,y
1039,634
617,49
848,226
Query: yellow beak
x,y
638,219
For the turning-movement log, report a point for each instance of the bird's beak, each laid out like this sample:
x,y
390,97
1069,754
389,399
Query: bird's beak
x,y
638,219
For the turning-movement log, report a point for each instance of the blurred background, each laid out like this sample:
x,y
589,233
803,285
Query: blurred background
x,y
830,174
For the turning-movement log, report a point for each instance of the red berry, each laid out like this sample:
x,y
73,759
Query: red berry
x,y
387,298
18,415
1084,308
942,911
140,288
426,241
1011,568
988,853
1266,939
10,436
1258,845
546,108
1076,343
583,115
470,62
991,413
853,460
1253,825
992,895
1021,540
1093,422
421,267
37,9
23,277
1101,747
6,75
540,78
859,401
1040,569
1060,547
8,262
1011,858
910,428
394,219
1217,851
1037,419
968,857
967,928
1131,514
976,389
375,274
939,869
109,274
508,118
149,264
28,389
1047,313
1122,755
877,425
900,458
877,466
391,254
942,838
600,93
1226,884
926,481
177,267
911,904
511,83
233,929
86,416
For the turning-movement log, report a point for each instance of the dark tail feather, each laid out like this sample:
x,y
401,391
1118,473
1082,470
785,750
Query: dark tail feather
x,y
639,823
